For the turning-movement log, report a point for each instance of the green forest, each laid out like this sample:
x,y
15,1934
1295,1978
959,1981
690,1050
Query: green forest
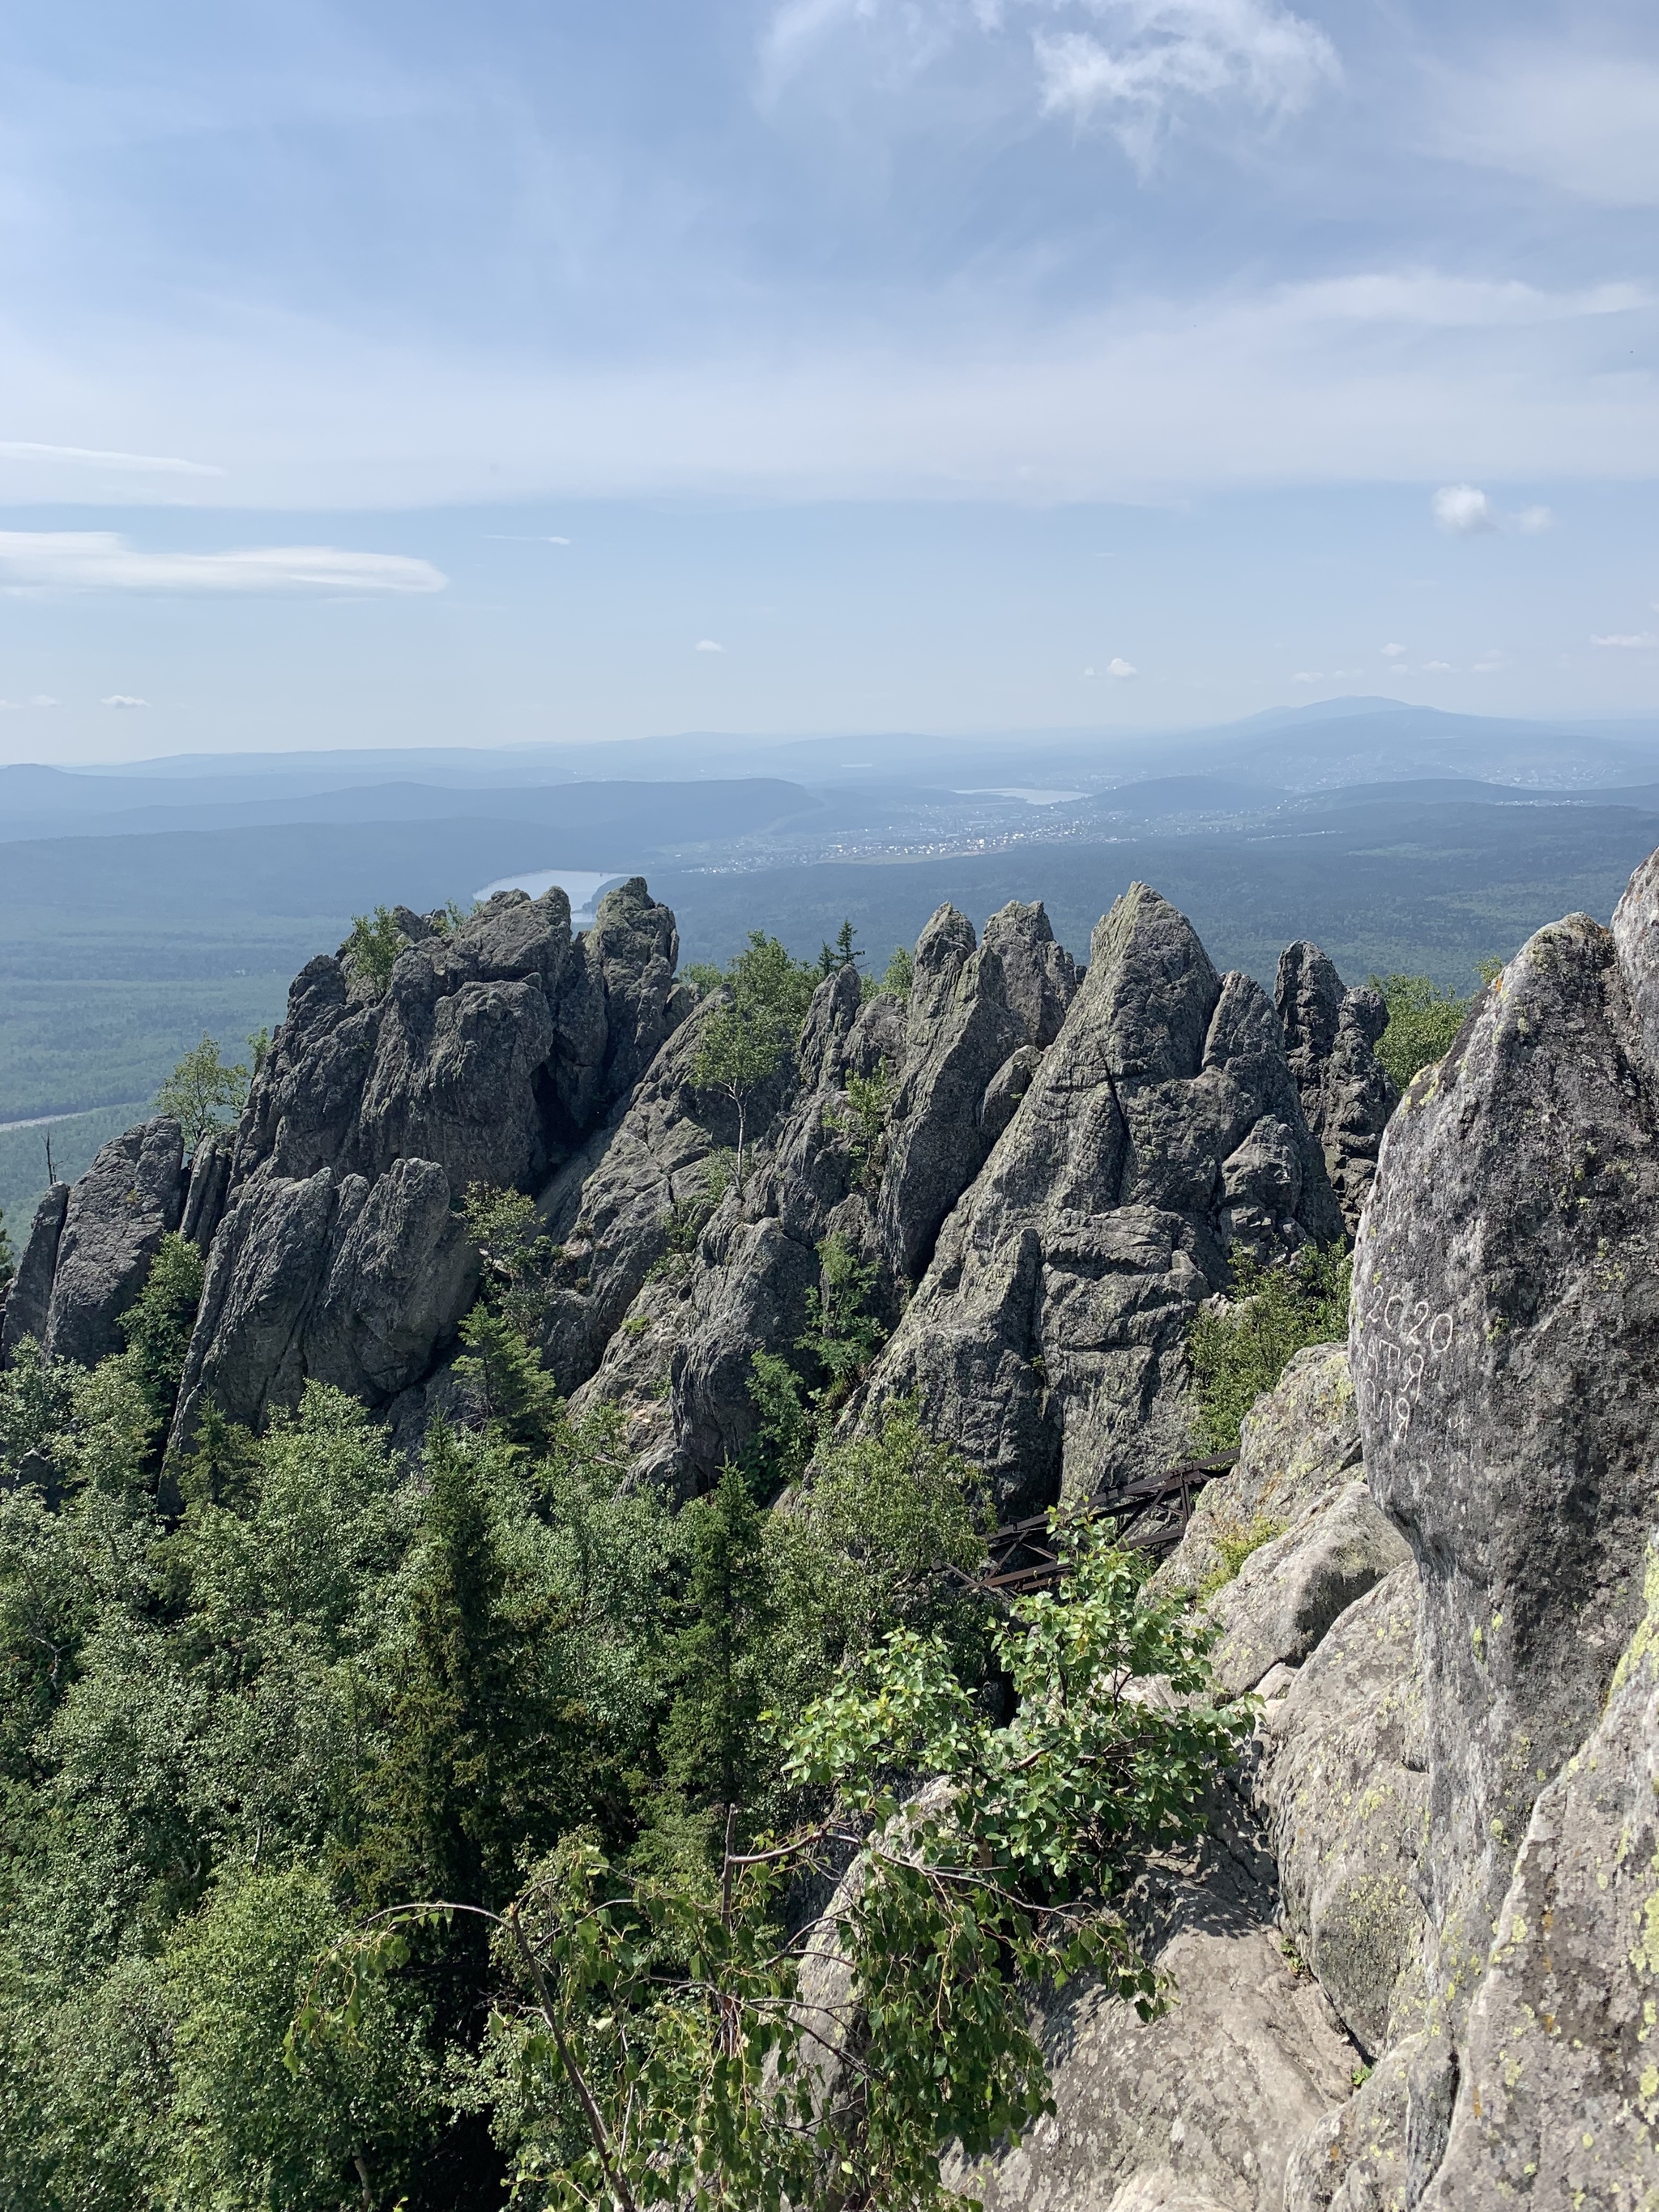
x,y
383,1830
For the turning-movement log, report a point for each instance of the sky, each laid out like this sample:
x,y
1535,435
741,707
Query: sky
x,y
377,374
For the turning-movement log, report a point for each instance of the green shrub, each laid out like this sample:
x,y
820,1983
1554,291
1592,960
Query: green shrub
x,y
1240,1352
371,950
1423,1020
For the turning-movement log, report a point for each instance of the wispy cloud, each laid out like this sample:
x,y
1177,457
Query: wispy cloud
x,y
1584,123
1638,640
1392,652
706,645
1120,667
99,561
123,699
12,449
1138,66
517,537
1171,55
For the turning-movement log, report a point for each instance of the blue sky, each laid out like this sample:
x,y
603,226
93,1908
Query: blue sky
x,y
391,374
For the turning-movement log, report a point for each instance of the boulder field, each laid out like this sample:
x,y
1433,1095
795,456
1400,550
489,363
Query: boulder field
x,y
1415,1960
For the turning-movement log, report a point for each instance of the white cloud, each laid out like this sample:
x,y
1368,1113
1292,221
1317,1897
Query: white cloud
x,y
43,699
1437,668
706,645
121,699
514,538
1088,671
12,449
1139,65
1463,510
1437,302
1121,667
1171,53
1532,520
1392,652
1588,125
99,561
1307,676
1630,640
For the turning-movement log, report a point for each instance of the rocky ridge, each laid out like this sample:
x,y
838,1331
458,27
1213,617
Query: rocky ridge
x,y
1415,1960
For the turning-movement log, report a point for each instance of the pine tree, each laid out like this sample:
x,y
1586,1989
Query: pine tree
x,y
709,1741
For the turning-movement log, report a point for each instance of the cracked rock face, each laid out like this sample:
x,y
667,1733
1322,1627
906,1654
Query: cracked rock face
x,y
114,1220
30,1292
1205,2105
1506,1357
1347,1095
1558,2099
1297,1445
1160,1133
337,1253
1344,1785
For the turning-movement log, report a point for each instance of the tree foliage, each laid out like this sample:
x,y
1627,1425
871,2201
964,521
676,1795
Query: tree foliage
x,y
201,1094
1274,1312
1424,1018
256,1704
661,2044
370,952
747,1038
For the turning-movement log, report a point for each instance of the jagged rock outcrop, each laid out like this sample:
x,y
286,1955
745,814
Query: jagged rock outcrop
x,y
29,1293
113,1223
1040,977
495,1052
1347,1095
1506,1346
1161,1134
959,1030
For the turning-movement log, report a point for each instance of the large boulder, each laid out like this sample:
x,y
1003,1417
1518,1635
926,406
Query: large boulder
x,y
1330,1038
114,1220
1291,1590
1341,1779
334,1280
1558,2100
1205,2105
1297,1445
1506,1359
1161,1135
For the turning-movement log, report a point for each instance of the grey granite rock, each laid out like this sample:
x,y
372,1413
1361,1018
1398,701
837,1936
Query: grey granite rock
x,y
357,1284
117,1214
263,1272
1160,1133
1343,1783
1347,1095
960,1030
1558,2102
208,1187
1297,1445
1207,2103
1506,1357
1040,976
402,1272
30,1293
1290,1590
